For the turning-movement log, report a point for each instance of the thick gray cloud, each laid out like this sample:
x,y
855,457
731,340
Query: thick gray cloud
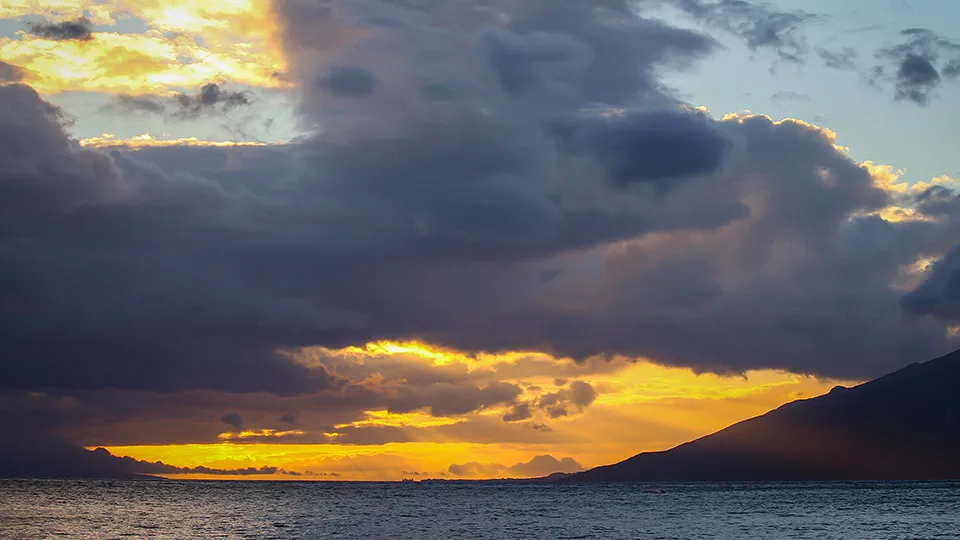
x,y
65,210
920,63
939,295
649,146
546,202
345,81
76,30
233,420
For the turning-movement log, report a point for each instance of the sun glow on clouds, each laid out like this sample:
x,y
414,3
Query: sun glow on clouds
x,y
387,419
188,44
109,140
270,433
664,407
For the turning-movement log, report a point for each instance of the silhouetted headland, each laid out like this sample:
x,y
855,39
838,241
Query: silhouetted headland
x,y
905,425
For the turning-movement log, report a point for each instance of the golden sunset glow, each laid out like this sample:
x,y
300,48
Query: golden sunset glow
x,y
187,44
664,407
108,140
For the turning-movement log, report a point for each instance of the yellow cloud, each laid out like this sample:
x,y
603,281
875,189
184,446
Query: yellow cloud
x,y
108,140
945,181
188,44
263,433
388,419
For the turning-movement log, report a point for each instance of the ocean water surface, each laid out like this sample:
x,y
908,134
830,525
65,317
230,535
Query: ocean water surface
x,y
175,509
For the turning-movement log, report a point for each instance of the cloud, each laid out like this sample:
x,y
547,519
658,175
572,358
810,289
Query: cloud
x,y
147,104
649,147
76,30
290,417
233,419
915,79
10,73
444,399
939,294
539,466
920,64
211,98
545,465
578,397
759,25
345,81
518,412
665,233
788,95
843,59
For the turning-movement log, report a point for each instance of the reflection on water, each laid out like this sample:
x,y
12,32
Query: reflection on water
x,y
153,509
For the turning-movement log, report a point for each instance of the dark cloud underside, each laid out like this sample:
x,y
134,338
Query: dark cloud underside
x,y
75,30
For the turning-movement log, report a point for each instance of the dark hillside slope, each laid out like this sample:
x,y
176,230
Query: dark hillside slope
x,y
905,425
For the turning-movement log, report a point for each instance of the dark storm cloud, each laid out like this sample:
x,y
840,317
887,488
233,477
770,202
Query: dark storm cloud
x,y
211,98
411,217
346,81
921,62
10,73
759,25
650,147
76,30
233,419
518,60
939,294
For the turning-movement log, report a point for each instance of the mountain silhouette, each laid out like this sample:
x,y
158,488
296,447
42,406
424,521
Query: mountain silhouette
x,y
903,426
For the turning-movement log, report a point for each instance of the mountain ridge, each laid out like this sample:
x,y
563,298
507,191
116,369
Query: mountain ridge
x,y
902,426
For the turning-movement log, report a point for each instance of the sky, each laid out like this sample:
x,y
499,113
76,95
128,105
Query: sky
x,y
382,239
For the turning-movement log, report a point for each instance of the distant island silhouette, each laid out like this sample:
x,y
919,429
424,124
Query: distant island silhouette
x,y
903,426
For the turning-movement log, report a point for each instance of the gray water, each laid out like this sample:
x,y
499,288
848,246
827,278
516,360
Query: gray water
x,y
167,509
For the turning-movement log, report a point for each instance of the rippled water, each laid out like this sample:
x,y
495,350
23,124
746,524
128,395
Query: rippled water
x,y
145,508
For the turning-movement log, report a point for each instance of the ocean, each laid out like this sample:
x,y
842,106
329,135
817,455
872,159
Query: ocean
x,y
180,509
